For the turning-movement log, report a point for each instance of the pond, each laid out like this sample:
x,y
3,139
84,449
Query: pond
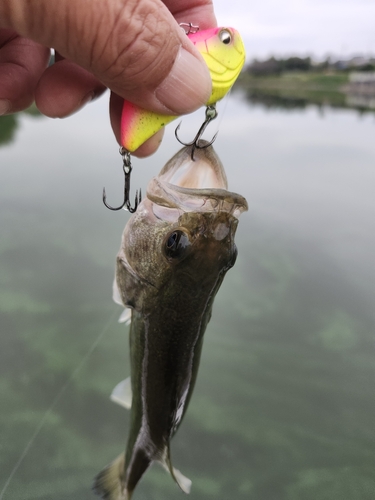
x,y
284,405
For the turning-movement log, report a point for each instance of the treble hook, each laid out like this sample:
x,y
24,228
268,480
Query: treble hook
x,y
211,114
127,167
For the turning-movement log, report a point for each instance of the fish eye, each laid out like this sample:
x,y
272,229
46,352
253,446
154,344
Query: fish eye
x,y
225,36
177,244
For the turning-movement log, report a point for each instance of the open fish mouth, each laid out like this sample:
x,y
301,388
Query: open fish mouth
x,y
198,185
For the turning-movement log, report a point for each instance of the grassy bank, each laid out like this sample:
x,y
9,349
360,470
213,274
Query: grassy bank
x,y
302,80
296,89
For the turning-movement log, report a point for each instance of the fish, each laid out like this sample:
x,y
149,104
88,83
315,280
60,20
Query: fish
x,y
175,251
224,53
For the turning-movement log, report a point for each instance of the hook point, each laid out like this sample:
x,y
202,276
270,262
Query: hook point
x,y
211,114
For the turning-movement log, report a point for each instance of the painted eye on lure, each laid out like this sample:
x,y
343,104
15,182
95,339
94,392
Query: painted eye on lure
x,y
177,245
225,36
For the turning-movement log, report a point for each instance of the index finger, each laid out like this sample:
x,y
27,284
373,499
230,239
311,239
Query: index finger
x,y
22,62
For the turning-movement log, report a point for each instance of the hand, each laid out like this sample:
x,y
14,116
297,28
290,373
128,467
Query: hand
x,y
133,47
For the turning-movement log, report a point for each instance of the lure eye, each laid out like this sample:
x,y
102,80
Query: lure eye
x,y
177,244
225,36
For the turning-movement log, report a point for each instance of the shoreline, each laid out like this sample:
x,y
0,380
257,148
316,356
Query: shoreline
x,y
297,89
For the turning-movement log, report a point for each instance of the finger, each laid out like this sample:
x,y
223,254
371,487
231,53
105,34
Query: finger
x,y
115,109
134,47
64,88
150,146
21,64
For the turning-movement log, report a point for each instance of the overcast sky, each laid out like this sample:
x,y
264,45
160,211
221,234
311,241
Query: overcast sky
x,y
340,28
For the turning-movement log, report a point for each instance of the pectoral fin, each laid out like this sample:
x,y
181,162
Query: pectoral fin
x,y
122,394
116,296
126,316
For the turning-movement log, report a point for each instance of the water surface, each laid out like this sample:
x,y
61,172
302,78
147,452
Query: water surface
x,y
284,405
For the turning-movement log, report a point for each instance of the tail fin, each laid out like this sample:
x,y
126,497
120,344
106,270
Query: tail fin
x,y
109,483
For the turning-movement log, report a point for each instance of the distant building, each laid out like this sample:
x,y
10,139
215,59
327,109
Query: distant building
x,y
358,62
362,77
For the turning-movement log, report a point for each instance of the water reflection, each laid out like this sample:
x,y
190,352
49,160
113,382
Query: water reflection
x,y
359,101
283,406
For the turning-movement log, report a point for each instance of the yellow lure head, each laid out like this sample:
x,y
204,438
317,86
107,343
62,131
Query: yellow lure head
x,y
224,53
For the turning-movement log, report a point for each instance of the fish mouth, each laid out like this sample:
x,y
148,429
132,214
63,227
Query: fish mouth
x,y
198,185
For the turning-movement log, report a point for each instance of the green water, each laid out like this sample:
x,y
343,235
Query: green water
x,y
284,406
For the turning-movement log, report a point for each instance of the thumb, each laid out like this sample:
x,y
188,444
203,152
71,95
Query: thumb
x,y
134,47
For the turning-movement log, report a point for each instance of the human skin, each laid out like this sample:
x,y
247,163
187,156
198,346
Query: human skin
x,y
133,47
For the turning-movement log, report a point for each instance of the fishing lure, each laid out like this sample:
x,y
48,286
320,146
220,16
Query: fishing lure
x,y
224,53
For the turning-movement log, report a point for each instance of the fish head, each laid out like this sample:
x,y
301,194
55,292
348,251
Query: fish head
x,y
224,53
182,235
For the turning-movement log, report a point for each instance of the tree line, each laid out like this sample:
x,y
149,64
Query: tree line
x,y
277,66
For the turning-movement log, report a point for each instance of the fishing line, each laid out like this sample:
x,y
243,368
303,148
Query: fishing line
x,y
54,403
224,105
221,109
